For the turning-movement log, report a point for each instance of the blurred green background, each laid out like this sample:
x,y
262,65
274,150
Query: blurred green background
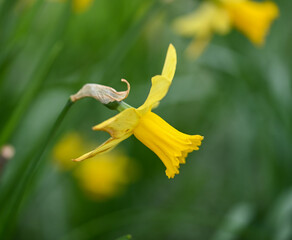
x,y
237,186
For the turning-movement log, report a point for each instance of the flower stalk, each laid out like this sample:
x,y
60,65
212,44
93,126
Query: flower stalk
x,y
119,106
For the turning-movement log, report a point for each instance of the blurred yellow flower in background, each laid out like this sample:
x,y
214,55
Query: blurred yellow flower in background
x,y
67,148
104,176
170,145
251,18
209,18
101,177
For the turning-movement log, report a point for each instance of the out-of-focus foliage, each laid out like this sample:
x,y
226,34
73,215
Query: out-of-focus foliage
x,y
238,96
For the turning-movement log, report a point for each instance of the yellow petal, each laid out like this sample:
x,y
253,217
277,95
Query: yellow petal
x,y
159,89
121,124
105,147
252,18
161,83
170,63
169,144
119,127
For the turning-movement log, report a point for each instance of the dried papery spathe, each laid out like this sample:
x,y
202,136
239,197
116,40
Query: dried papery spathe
x,y
101,93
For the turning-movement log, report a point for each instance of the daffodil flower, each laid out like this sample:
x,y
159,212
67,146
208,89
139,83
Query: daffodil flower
x,y
252,18
218,16
170,145
104,176
209,18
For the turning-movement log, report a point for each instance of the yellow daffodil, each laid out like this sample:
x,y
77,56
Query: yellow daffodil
x,y
69,146
209,18
251,18
170,145
104,176
101,177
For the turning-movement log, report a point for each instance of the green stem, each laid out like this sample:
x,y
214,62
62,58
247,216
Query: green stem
x,y
123,106
10,203
119,106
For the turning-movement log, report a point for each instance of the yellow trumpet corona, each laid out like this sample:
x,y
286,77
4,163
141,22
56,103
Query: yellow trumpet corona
x,y
170,145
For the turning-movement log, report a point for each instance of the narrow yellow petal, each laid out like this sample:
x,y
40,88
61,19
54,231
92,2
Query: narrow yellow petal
x,y
159,89
121,124
119,127
105,147
170,63
161,83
